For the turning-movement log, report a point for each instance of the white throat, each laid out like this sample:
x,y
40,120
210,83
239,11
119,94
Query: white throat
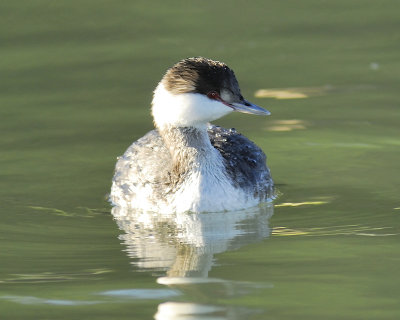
x,y
185,109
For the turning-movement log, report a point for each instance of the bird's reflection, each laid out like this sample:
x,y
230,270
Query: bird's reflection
x,y
180,249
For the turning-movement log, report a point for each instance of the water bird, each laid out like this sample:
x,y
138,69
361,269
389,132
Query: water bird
x,y
186,164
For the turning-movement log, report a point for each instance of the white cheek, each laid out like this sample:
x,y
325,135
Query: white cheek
x,y
187,109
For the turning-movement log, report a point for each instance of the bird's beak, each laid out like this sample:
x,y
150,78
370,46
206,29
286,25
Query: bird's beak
x,y
247,107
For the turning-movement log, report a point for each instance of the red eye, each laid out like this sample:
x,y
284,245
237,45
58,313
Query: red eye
x,y
213,95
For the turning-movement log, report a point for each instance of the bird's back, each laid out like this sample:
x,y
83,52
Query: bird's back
x,y
245,162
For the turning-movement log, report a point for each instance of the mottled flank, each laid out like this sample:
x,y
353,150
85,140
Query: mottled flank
x,y
150,149
245,162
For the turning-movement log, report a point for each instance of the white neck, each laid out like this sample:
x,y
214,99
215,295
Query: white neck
x,y
185,109
198,171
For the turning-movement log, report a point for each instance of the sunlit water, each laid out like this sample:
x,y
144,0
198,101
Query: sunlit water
x,y
76,82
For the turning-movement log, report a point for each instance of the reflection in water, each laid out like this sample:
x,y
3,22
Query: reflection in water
x,y
306,92
287,125
183,245
197,311
348,230
186,310
56,302
292,93
181,248
298,204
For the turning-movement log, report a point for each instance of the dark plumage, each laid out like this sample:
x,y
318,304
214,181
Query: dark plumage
x,y
200,75
245,162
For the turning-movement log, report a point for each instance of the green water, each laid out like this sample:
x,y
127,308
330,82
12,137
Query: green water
x,y
76,79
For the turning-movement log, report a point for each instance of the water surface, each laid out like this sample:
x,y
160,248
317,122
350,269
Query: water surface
x,y
76,83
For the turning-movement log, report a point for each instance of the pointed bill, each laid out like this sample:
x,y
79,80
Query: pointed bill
x,y
248,107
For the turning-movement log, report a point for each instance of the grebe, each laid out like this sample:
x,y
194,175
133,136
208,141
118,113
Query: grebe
x,y
186,164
